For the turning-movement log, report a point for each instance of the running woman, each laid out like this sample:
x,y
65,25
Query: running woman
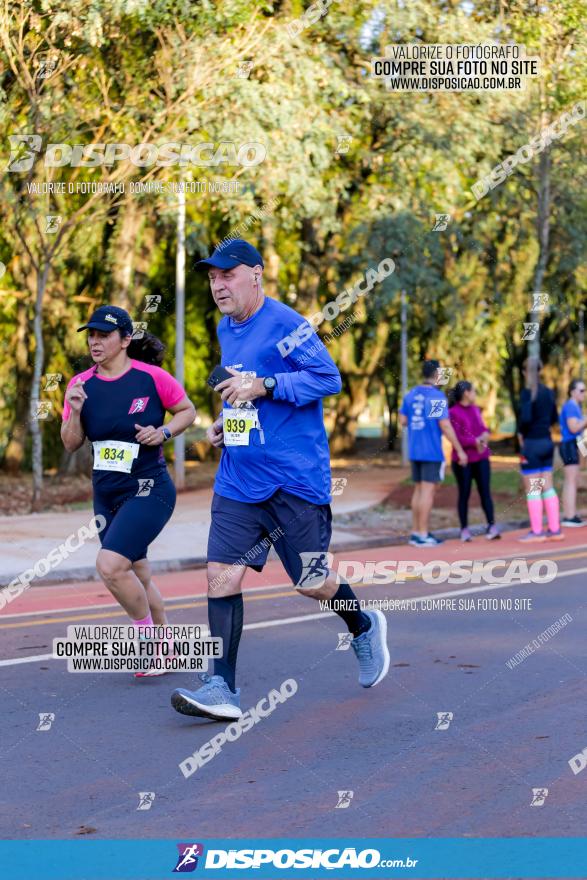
x,y
572,425
119,405
424,412
537,415
273,482
473,435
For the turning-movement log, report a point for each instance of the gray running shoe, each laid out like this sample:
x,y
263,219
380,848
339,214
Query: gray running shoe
x,y
371,650
213,700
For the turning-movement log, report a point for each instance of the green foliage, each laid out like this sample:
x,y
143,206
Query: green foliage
x,y
133,71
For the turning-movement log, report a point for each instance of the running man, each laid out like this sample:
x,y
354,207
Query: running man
x,y
119,405
537,415
273,481
424,412
572,426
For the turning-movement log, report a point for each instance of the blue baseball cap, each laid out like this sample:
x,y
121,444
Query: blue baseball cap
x,y
109,318
234,253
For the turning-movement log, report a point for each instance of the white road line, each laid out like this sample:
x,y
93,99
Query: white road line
x,y
266,624
18,660
263,624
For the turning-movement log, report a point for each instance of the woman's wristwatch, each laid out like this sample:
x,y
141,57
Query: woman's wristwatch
x,y
167,435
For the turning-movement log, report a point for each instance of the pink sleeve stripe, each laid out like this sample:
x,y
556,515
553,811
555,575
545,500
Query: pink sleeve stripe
x,y
83,376
168,388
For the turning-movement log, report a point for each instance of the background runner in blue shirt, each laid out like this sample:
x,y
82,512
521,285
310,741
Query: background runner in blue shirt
x,y
119,405
424,412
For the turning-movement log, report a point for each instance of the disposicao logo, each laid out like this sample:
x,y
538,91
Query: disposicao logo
x,y
188,857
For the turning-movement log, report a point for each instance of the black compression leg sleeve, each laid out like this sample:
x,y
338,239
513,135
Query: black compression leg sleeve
x,y
225,616
346,605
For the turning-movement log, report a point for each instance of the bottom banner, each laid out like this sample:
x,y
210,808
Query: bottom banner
x,y
413,858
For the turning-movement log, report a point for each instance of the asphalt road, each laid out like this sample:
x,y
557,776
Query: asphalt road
x,y
512,729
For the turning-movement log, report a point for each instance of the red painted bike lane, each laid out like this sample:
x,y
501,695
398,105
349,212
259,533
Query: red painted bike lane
x,y
187,584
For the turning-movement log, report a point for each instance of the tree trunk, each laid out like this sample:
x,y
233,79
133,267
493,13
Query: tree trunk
x,y
489,406
311,265
350,406
141,281
392,399
543,234
270,257
37,450
124,244
359,359
78,462
511,366
15,448
543,220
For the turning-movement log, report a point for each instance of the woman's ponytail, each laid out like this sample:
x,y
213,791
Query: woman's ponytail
x,y
148,349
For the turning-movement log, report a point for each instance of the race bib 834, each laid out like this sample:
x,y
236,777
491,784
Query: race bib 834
x,y
113,455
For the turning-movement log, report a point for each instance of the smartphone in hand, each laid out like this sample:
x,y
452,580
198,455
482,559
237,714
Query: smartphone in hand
x,y
218,374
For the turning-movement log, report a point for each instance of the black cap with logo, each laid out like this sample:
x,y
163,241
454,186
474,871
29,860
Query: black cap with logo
x,y
109,318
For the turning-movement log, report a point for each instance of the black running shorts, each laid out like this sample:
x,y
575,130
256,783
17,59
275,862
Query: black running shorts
x,y
134,519
569,452
242,533
537,455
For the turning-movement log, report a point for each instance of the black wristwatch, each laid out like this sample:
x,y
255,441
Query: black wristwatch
x,y
166,434
269,384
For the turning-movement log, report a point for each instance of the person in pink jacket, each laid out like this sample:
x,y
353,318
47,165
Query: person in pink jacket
x,y
473,436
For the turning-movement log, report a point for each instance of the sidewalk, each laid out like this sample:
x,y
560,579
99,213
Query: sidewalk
x,y
182,544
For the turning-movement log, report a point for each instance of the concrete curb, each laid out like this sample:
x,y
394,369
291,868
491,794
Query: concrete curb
x,y
88,573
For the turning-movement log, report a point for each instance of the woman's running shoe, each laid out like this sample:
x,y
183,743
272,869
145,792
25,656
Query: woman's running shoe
x,y
159,656
466,535
533,538
554,536
573,522
492,533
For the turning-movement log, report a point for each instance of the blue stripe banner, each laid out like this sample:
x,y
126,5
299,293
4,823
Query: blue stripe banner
x,y
371,859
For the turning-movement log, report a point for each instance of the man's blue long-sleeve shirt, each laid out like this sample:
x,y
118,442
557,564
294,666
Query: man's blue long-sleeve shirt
x,y
290,451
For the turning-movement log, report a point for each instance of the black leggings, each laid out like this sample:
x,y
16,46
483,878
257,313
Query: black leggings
x,y
480,471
